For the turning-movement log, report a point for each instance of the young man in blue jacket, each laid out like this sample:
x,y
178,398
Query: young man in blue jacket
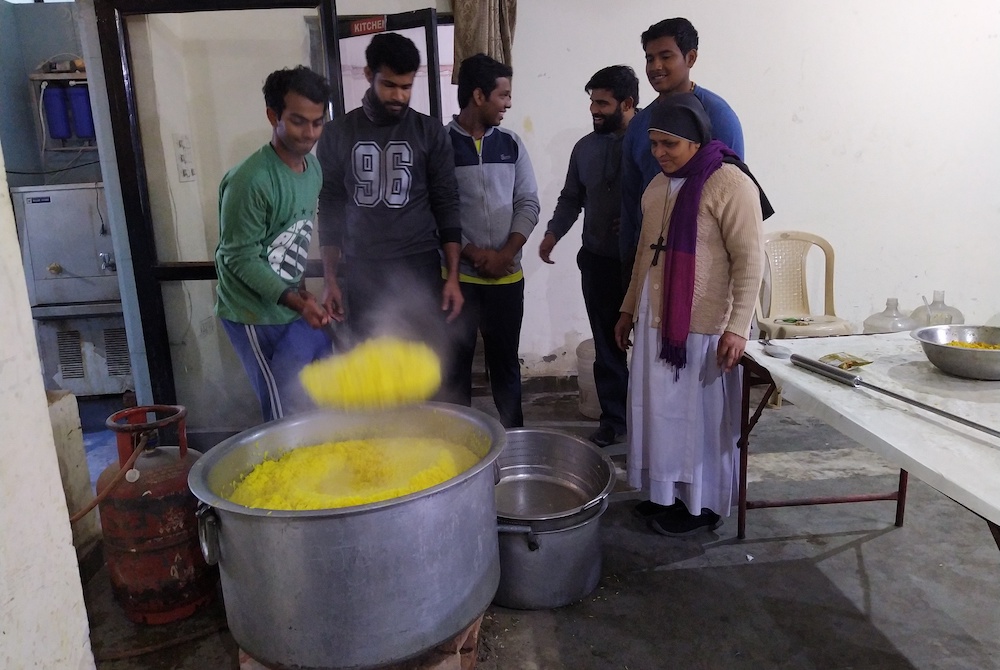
x,y
498,201
671,48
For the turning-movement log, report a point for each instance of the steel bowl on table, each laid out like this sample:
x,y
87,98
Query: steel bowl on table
x,y
960,361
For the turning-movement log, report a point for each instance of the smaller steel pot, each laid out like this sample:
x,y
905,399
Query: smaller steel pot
x,y
543,569
551,493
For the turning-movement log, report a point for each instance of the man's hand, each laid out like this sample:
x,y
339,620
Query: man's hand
x,y
546,247
731,348
622,330
304,302
474,255
452,299
333,299
495,264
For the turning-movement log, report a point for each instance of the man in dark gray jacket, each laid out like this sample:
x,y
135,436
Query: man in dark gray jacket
x,y
498,199
389,205
593,184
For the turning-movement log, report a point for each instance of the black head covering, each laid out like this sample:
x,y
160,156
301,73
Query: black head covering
x,y
681,115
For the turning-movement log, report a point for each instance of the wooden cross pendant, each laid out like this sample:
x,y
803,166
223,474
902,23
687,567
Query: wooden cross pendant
x,y
658,247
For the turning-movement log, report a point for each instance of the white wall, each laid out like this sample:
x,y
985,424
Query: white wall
x,y
869,123
43,622
872,124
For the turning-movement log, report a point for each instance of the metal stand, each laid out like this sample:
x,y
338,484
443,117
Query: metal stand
x,y
755,374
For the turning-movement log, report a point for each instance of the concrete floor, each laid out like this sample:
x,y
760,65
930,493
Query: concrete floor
x,y
833,586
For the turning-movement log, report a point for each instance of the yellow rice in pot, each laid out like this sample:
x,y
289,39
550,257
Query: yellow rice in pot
x,y
352,472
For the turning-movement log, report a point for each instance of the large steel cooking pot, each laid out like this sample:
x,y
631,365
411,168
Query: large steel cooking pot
x,y
360,586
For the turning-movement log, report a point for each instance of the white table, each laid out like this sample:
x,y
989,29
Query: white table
x,y
958,461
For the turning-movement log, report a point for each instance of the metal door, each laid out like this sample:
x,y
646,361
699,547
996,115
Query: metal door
x,y
353,36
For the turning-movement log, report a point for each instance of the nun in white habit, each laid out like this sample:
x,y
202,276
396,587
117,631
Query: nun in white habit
x,y
691,298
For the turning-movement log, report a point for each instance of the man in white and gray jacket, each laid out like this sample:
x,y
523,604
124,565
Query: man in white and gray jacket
x,y
498,204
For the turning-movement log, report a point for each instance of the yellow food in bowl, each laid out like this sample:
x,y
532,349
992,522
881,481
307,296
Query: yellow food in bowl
x,y
380,372
352,472
974,345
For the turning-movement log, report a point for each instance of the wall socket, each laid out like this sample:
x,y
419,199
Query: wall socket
x,y
185,157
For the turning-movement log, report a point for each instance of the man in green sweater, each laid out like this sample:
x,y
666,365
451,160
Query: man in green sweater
x,y
267,209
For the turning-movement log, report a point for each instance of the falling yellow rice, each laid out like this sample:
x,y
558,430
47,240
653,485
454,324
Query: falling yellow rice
x,y
378,373
352,472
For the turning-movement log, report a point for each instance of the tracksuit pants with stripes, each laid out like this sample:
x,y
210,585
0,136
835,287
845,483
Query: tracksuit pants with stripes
x,y
272,357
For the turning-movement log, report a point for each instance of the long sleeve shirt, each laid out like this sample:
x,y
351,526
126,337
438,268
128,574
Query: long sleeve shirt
x,y
266,214
389,189
498,194
639,167
729,256
593,184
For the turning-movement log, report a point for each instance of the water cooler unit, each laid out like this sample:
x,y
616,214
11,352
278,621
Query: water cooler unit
x,y
69,264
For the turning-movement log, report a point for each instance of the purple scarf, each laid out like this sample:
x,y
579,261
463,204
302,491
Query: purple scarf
x,y
682,238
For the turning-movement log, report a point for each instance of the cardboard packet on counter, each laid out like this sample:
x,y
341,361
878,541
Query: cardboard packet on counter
x,y
843,361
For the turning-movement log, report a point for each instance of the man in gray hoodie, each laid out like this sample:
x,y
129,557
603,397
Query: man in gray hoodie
x,y
498,202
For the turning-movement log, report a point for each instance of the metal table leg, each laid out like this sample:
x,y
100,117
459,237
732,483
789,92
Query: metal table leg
x,y
755,374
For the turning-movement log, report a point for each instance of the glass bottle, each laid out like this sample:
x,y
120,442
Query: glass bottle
x,y
890,320
937,313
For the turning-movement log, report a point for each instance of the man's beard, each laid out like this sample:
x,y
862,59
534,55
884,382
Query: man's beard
x,y
611,124
394,109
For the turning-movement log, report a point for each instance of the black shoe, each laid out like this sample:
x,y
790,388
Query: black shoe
x,y
605,436
647,509
682,525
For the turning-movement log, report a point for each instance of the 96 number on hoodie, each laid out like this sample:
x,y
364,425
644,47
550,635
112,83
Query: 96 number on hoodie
x,y
382,175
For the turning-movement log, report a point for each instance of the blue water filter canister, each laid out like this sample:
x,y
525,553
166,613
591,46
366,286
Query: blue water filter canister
x,y
54,103
83,117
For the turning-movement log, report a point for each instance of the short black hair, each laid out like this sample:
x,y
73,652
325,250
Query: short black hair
x,y
298,79
479,71
619,79
679,28
396,52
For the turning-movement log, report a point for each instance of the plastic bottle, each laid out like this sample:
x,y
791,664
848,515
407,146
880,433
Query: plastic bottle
x,y
890,320
937,313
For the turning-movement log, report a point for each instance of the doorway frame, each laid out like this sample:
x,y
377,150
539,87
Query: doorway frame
x,y
427,19
148,271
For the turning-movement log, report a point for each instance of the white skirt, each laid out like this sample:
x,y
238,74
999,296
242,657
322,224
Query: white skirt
x,y
682,433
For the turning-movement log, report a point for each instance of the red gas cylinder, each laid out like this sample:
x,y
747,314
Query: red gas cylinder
x,y
150,530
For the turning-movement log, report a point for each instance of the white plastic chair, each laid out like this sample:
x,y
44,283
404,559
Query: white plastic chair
x,y
786,253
